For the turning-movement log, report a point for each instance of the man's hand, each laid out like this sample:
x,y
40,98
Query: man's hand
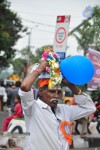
x,y
43,65
66,82
72,87
30,79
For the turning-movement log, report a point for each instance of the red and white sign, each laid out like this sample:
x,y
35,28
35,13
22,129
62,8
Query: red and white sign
x,y
61,34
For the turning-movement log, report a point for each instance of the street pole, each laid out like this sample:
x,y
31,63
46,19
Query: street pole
x,y
29,42
77,27
27,63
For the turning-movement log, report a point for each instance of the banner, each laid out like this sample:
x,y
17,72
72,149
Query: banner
x,y
61,34
94,56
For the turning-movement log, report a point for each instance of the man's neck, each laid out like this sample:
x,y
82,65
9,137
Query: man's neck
x,y
53,109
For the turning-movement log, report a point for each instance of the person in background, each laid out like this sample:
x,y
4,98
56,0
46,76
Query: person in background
x,y
9,91
97,112
17,113
3,96
84,122
47,121
14,93
67,102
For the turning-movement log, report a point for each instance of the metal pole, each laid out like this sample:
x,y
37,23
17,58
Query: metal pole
x,y
70,33
29,42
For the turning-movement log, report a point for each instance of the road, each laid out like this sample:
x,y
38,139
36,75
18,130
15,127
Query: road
x,y
2,116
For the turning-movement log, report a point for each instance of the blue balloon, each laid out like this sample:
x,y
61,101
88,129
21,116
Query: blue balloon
x,y
77,69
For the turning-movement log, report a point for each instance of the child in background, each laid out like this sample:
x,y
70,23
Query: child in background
x,y
17,113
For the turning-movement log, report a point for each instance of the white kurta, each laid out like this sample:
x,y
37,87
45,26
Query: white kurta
x,y
44,126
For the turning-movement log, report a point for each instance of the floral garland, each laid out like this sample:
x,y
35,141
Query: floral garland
x,y
54,70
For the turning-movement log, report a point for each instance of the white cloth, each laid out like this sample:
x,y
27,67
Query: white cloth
x,y
3,93
44,126
2,90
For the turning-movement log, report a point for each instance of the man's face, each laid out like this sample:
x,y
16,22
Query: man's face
x,y
51,96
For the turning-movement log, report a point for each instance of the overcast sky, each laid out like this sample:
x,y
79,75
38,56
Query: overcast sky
x,y
40,15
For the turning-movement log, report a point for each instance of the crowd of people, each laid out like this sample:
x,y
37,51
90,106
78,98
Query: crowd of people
x,y
9,97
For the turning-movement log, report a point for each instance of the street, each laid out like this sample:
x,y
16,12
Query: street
x,y
3,114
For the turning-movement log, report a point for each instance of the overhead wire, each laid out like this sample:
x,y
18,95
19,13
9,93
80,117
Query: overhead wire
x,y
38,23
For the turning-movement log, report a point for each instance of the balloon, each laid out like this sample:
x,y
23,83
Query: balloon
x,y
77,69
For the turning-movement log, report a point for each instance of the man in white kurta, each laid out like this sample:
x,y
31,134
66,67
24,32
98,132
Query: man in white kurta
x,y
42,123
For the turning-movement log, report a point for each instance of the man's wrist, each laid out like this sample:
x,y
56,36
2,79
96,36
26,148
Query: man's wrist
x,y
79,92
38,71
75,89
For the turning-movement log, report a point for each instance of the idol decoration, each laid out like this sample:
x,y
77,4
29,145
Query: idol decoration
x,y
54,67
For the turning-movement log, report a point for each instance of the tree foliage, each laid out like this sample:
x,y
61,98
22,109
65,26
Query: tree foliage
x,y
95,95
27,57
18,65
10,28
39,51
89,33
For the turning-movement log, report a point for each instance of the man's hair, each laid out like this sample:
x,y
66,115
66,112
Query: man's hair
x,y
41,89
44,87
18,83
18,97
66,101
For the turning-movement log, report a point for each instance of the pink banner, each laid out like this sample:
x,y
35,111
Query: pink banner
x,y
94,56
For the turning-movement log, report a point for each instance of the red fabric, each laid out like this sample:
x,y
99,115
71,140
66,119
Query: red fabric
x,y
17,114
98,106
18,111
43,82
6,123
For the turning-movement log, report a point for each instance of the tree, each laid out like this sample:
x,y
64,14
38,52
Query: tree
x,y
39,51
20,63
28,56
10,29
95,95
88,34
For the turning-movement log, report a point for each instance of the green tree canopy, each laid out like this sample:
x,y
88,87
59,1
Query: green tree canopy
x,y
18,65
88,34
27,57
39,51
10,29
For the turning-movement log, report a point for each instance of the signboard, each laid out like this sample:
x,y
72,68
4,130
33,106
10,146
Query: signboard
x,y
61,34
94,56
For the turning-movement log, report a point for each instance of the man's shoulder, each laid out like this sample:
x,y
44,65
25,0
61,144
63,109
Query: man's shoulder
x,y
62,106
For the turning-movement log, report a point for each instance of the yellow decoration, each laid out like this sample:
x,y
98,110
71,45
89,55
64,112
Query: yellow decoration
x,y
50,85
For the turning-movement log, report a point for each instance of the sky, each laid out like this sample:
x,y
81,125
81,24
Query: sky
x,y
40,18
